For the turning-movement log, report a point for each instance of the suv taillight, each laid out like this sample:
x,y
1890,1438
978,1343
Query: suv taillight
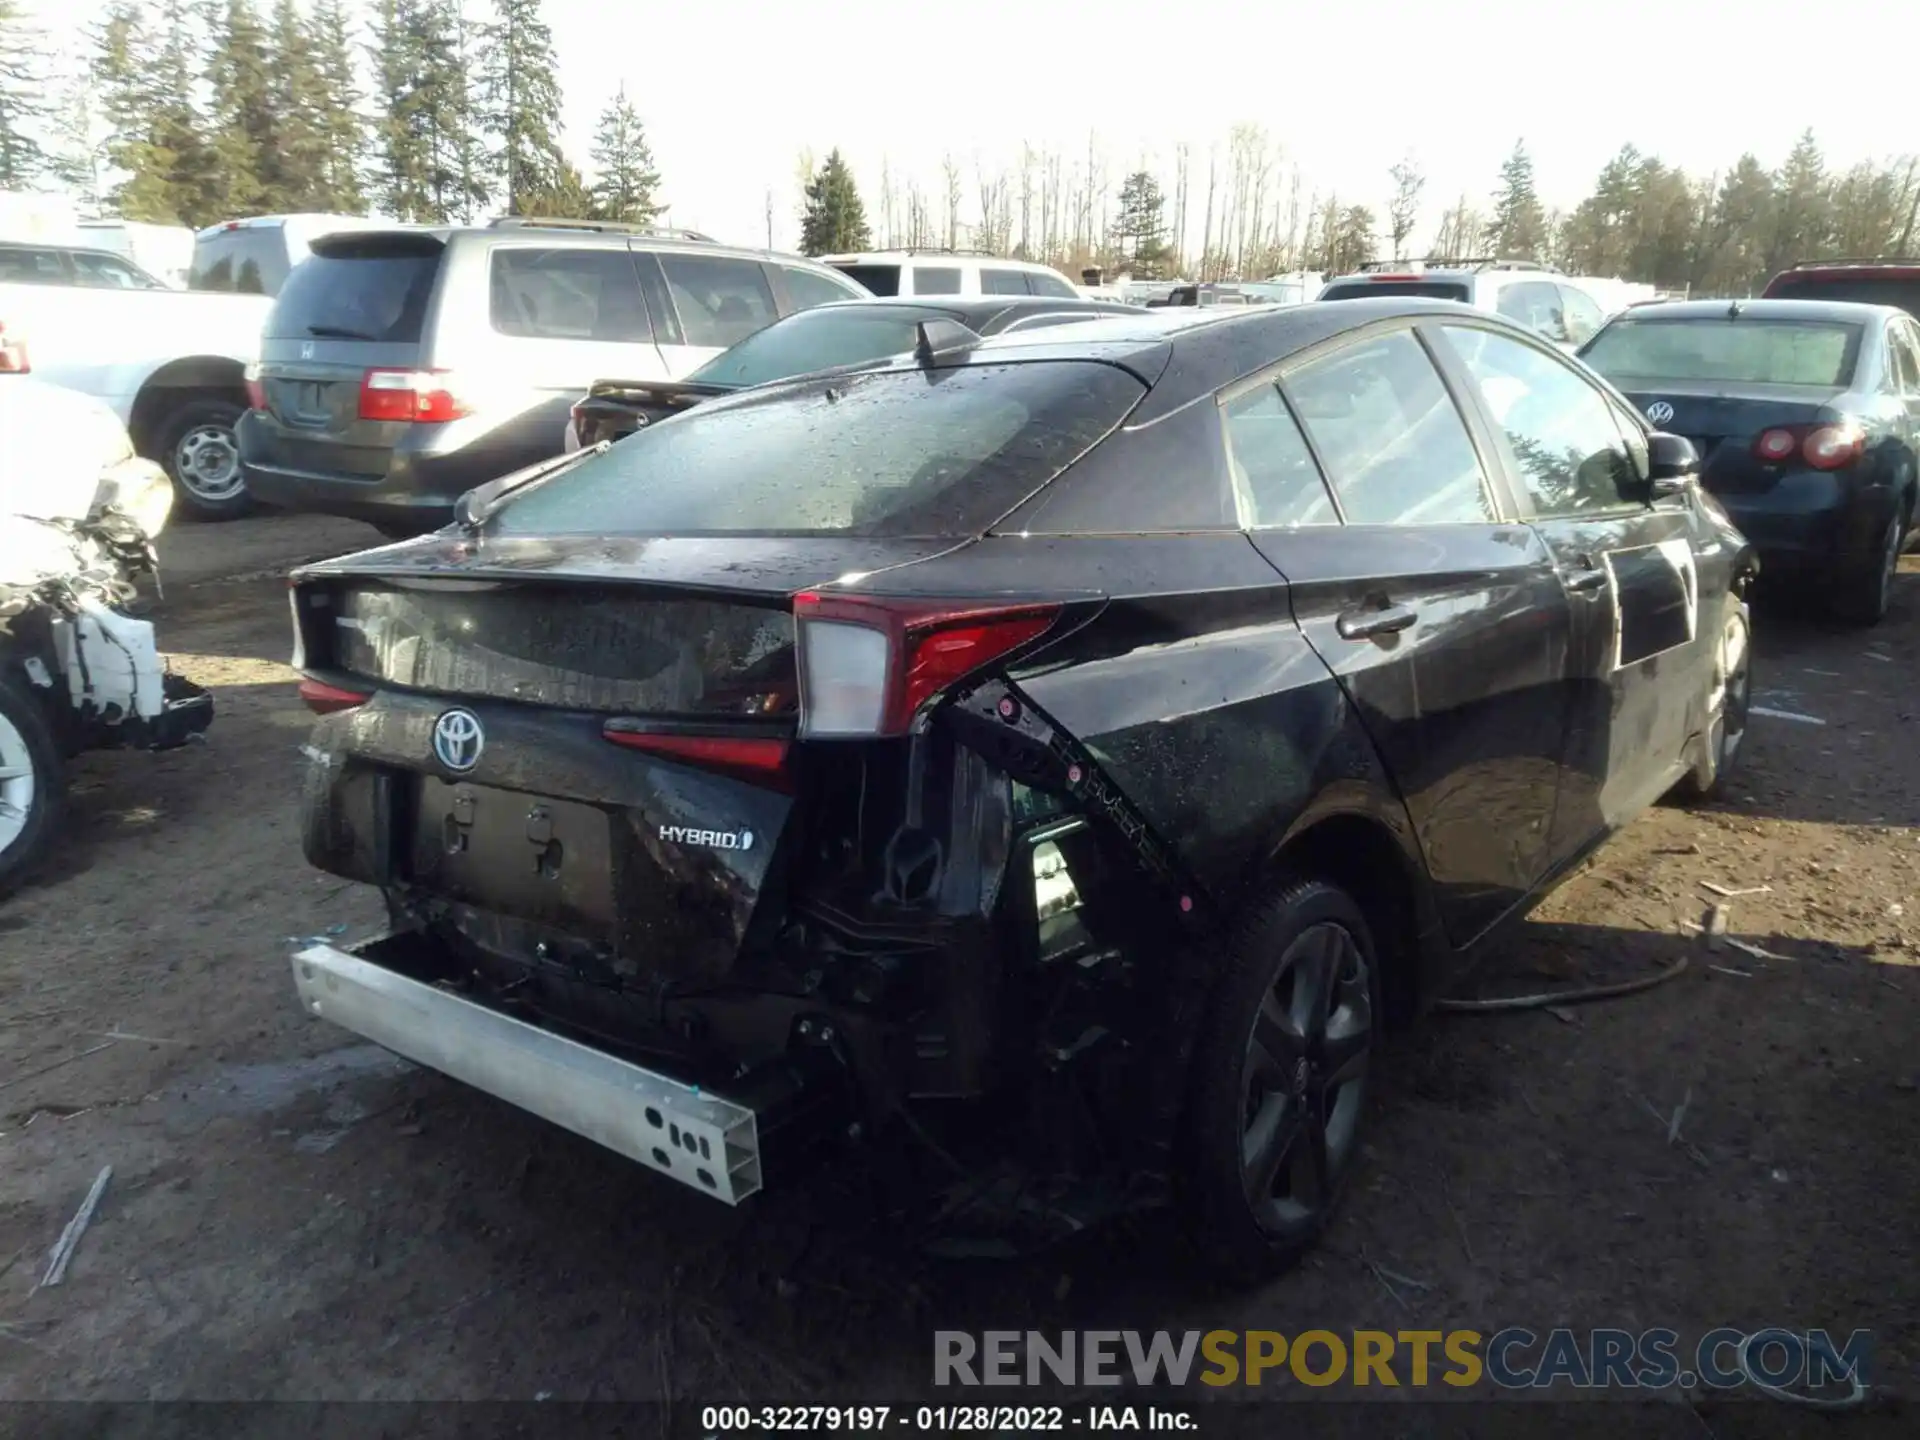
x,y
414,395
867,665
13,355
256,393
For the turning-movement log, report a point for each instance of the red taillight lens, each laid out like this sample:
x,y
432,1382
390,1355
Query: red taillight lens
x,y
424,396
256,392
13,355
1777,445
325,699
867,665
752,757
1832,447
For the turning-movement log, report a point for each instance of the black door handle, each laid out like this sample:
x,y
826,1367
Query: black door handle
x,y
1589,579
1369,624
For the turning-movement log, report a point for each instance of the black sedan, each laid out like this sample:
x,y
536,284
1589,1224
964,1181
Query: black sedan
x,y
852,332
1806,414
1063,752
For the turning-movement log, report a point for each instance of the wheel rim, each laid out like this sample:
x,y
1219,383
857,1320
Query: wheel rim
x,y
17,783
208,462
1890,561
1304,1080
1732,684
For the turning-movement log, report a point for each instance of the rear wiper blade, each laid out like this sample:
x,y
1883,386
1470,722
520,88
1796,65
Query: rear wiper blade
x,y
471,510
337,332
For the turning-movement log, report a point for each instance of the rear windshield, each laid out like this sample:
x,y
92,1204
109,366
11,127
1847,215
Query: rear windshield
x,y
1363,289
814,340
1739,352
251,260
936,453
882,280
1859,290
357,295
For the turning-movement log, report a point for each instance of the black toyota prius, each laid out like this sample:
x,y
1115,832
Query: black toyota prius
x,y
1065,751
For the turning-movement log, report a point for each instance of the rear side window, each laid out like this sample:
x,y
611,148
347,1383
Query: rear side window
x,y
936,280
1903,291
109,272
1717,350
251,260
32,267
1402,289
1272,468
1044,282
883,280
1583,314
720,300
1395,447
372,295
563,294
940,453
1004,282
815,340
808,288
1536,305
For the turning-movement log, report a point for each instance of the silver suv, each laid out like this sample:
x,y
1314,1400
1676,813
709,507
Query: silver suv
x,y
405,365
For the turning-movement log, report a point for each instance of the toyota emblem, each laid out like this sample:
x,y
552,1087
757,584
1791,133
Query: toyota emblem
x,y
1659,412
458,740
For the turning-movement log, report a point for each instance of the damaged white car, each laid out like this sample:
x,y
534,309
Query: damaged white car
x,y
78,515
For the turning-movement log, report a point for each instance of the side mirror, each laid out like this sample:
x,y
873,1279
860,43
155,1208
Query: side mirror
x,y
1673,465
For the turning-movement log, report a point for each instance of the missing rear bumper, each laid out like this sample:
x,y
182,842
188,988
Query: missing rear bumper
x,y
700,1139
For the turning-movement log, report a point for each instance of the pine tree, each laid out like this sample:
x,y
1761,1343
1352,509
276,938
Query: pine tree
x,y
1140,229
245,116
75,161
521,89
1518,228
23,102
293,167
404,148
833,219
626,183
343,129
1802,214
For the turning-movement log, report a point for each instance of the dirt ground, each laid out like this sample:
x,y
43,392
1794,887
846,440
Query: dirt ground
x,y
292,1215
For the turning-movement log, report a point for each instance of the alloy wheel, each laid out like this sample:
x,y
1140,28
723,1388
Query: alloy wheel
x,y
17,784
1303,1082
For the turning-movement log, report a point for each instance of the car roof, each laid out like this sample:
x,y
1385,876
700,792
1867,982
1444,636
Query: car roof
x,y
896,257
1832,311
974,311
559,235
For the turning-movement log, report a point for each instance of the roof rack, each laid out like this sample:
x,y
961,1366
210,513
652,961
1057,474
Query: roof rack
x,y
1452,262
1855,260
609,227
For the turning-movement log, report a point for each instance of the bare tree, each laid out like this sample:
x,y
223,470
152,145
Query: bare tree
x,y
1403,210
950,176
886,227
1206,226
1182,159
1460,229
1025,249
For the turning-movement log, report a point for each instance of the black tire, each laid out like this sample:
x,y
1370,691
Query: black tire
x,y
26,742
1729,697
1253,1076
195,444
1866,594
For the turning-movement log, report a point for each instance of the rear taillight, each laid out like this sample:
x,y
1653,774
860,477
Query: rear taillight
x,y
867,665
325,699
1824,447
256,392
13,355
752,757
425,396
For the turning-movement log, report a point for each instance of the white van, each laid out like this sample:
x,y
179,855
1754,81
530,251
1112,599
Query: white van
x,y
890,273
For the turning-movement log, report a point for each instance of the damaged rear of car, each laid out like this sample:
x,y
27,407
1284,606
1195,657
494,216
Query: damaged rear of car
x,y
78,514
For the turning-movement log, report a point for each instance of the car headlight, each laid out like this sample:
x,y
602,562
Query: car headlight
x,y
140,490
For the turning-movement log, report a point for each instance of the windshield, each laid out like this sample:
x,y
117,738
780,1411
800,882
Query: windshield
x,y
936,453
1720,351
815,340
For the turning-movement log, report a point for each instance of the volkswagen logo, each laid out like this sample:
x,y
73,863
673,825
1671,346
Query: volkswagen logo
x,y
1659,412
458,740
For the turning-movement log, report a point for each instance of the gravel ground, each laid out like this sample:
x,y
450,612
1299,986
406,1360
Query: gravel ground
x,y
293,1216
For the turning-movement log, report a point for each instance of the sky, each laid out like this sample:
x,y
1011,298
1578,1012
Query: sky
x,y
732,91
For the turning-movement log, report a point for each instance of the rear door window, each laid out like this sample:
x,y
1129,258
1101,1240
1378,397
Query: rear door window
x,y
1583,314
361,293
1538,306
1003,282
808,288
1273,470
250,260
882,280
1395,447
568,294
21,266
108,272
1906,360
936,280
1045,282
909,452
1561,431
720,300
